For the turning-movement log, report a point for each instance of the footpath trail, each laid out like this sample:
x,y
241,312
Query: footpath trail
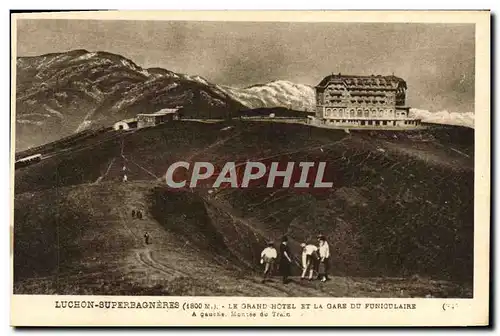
x,y
215,144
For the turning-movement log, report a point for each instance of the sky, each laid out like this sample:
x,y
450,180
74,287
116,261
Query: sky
x,y
436,60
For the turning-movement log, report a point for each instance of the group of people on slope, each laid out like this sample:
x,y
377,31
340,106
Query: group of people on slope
x,y
315,259
136,214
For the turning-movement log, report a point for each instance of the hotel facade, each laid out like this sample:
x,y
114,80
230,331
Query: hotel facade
x,y
363,102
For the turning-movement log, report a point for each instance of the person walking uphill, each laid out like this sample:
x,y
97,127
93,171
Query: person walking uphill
x,y
268,257
324,257
285,260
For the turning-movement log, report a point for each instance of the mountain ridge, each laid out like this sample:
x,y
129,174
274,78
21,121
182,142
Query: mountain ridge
x,y
82,89
58,94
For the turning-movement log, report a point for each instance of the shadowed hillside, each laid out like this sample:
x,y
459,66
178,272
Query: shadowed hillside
x,y
400,212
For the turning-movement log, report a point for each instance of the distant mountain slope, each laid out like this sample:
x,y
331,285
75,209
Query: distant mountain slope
x,y
58,94
275,94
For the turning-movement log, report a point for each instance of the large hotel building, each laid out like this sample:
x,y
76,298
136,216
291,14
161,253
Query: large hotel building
x,y
363,102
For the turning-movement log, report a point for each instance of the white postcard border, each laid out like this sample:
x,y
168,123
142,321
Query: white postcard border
x,y
41,310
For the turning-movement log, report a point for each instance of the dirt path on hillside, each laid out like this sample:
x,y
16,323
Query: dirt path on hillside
x,y
217,143
145,257
103,176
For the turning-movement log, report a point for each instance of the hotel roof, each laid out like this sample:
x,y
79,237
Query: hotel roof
x,y
377,81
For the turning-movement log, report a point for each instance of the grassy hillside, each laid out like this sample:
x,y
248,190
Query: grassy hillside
x,y
401,207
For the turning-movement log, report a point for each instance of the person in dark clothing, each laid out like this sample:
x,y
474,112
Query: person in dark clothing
x,y
139,214
285,260
133,213
146,238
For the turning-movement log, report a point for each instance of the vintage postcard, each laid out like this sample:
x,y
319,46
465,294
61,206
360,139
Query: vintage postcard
x,y
239,168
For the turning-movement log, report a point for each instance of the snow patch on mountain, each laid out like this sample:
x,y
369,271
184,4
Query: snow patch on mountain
x,y
129,64
37,115
280,93
195,78
46,61
136,93
83,126
145,72
30,122
53,112
84,57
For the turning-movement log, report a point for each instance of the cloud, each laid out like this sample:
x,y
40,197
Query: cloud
x,y
444,117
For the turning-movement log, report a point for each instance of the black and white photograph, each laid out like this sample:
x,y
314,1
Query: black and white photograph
x,y
277,159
